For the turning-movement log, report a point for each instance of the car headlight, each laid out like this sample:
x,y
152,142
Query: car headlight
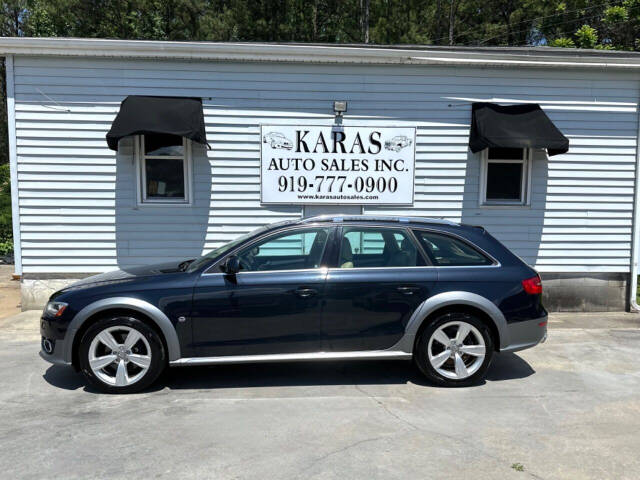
x,y
55,309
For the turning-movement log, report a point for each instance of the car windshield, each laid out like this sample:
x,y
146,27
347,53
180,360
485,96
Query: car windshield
x,y
217,252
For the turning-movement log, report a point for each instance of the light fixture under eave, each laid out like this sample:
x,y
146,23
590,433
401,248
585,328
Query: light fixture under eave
x,y
339,107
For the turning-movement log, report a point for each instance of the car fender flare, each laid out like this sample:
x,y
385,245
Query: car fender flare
x,y
445,299
149,310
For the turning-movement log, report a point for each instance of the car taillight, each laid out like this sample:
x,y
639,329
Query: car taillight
x,y
533,285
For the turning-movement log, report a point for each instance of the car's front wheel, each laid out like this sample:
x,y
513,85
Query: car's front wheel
x,y
121,355
454,350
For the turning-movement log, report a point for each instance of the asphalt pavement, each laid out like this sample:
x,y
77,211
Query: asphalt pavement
x,y
569,408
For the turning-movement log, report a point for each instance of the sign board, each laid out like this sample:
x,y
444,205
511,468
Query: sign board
x,y
303,165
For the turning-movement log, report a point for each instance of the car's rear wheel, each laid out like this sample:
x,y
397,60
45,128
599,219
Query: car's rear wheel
x,y
121,355
454,350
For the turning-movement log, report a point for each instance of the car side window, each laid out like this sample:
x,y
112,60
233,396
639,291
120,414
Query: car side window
x,y
445,250
371,247
290,250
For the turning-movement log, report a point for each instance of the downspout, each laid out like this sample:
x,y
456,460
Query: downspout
x,y
635,237
13,163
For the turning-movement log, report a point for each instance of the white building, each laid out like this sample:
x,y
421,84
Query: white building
x,y
80,208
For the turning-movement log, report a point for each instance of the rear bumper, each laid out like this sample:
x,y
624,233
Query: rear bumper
x,y
526,334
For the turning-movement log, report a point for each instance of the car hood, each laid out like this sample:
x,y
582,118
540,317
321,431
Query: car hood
x,y
117,276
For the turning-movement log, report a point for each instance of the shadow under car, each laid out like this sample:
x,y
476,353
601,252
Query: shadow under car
x,y
505,366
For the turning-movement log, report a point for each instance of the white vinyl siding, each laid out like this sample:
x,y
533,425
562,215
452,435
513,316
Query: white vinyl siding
x,y
77,198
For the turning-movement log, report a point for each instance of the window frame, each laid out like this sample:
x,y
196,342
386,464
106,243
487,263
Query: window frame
x,y
525,181
141,175
408,231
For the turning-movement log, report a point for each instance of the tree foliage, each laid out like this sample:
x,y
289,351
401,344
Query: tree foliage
x,y
588,24
6,230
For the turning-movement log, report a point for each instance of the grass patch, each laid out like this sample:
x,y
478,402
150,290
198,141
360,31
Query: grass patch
x,y
518,467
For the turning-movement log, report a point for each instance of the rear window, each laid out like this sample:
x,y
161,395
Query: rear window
x,y
444,250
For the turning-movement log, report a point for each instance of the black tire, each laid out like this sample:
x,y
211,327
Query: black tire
x,y
158,356
421,355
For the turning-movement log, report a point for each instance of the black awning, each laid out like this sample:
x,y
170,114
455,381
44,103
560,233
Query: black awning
x,y
173,116
514,126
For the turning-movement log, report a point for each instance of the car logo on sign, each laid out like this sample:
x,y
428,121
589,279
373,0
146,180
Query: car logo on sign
x,y
277,140
397,143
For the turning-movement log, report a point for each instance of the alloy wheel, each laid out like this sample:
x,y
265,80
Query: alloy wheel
x,y
456,350
119,356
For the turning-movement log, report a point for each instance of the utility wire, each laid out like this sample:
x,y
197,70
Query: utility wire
x,y
610,24
559,23
57,107
579,19
530,20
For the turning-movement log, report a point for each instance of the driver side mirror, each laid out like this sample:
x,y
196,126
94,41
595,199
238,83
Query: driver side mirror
x,y
231,265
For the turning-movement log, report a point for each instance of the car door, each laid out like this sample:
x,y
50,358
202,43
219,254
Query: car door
x,y
272,305
378,279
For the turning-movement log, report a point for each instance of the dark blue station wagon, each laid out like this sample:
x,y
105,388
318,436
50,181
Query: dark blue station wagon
x,y
349,287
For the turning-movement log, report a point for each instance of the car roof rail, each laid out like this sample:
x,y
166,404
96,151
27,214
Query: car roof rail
x,y
376,218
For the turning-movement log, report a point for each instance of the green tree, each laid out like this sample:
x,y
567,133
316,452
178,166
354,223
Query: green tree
x,y
13,16
562,42
6,227
440,22
586,37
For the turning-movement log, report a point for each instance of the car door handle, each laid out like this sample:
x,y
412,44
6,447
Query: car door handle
x,y
408,289
304,292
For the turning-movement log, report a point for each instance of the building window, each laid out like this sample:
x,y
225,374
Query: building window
x,y
163,169
505,176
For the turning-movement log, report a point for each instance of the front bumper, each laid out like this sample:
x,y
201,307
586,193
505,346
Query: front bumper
x,y
526,334
56,338
57,356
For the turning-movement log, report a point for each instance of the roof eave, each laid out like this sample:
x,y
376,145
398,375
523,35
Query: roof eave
x,y
311,53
